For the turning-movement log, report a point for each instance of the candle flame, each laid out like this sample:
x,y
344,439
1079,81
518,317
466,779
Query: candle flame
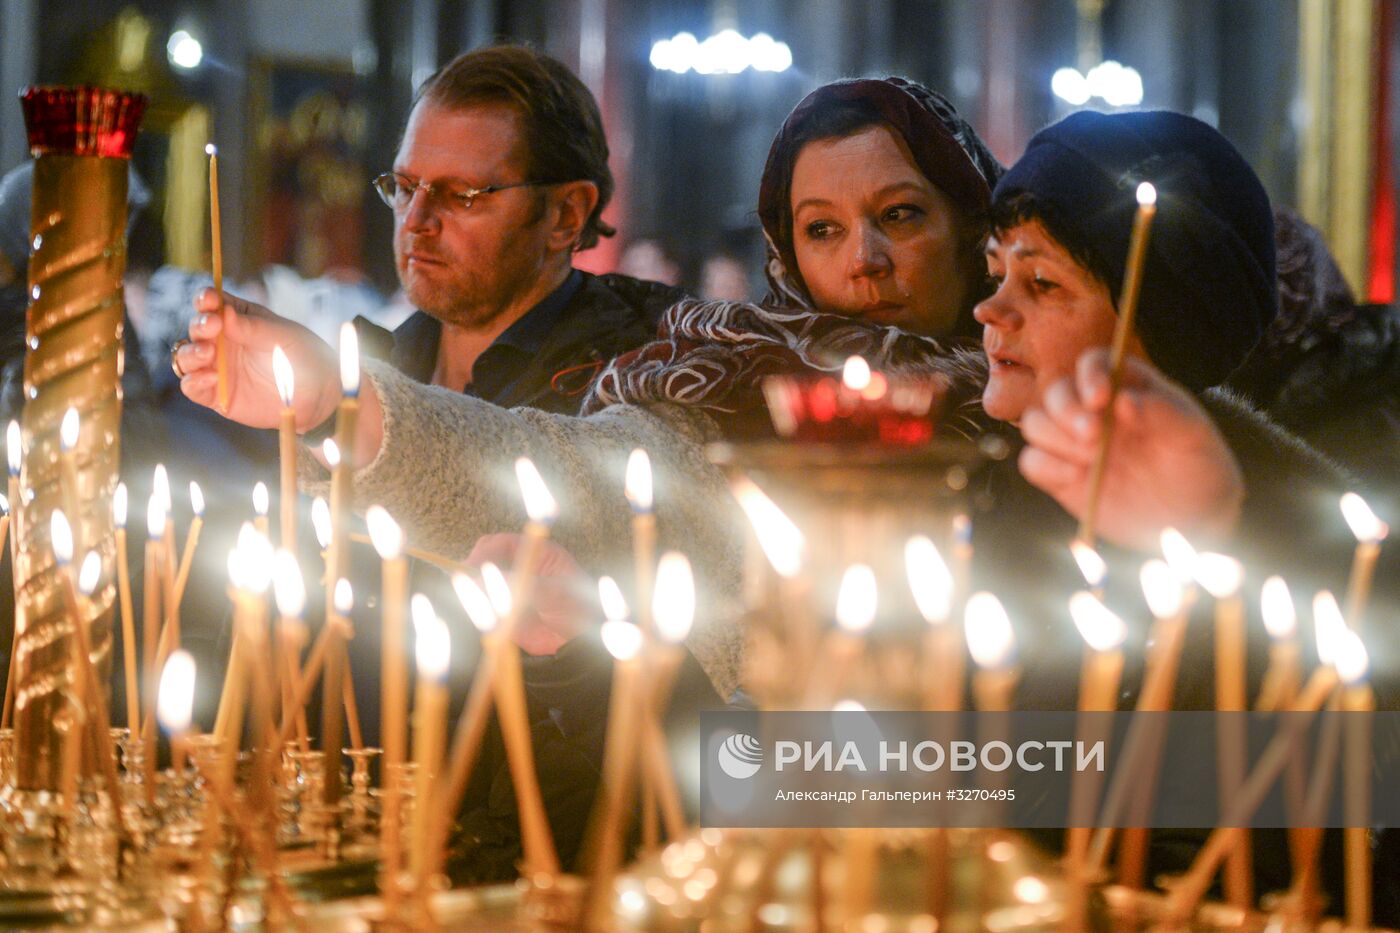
x,y
344,597
288,586
1091,564
962,530
1180,555
496,588
673,602
1328,627
638,483
61,535
432,642
210,149
4,504
160,486
1219,575
196,499
855,374
779,538
119,506
384,532
260,498
929,578
349,360
1101,628
175,697
610,595
89,573
1161,587
1351,659
13,447
250,562
539,504
283,376
1276,605
856,599
990,639
1146,194
475,601
622,639
321,521
1363,522
68,430
155,516
331,451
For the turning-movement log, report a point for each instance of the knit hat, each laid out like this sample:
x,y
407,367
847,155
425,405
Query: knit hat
x,y
1208,287
944,145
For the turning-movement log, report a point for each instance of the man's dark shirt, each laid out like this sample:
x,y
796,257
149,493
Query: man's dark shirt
x,y
545,359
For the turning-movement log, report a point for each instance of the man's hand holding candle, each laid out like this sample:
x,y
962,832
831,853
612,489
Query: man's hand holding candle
x,y
250,332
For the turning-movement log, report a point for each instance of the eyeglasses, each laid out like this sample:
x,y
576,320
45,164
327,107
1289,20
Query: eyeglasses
x,y
397,191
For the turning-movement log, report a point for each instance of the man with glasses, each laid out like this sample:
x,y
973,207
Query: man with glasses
x,y
502,175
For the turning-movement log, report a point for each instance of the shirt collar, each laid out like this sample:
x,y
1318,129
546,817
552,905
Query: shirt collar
x,y
416,341
530,331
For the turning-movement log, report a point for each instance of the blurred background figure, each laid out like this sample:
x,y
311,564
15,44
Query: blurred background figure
x,y
648,259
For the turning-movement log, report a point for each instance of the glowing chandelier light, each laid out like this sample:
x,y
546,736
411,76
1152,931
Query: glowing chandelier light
x,y
725,52
1115,84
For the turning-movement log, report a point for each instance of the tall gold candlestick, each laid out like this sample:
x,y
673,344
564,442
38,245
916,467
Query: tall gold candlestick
x,y
1122,333
287,449
73,335
433,649
133,692
1370,531
216,245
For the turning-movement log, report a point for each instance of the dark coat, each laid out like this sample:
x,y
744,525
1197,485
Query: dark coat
x,y
607,316
1328,369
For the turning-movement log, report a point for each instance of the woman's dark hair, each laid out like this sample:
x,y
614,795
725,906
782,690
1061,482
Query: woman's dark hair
x,y
1022,207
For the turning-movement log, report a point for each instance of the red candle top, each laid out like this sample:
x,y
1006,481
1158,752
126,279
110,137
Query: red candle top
x,y
88,121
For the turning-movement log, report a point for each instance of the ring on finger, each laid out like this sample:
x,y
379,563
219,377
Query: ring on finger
x,y
175,357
